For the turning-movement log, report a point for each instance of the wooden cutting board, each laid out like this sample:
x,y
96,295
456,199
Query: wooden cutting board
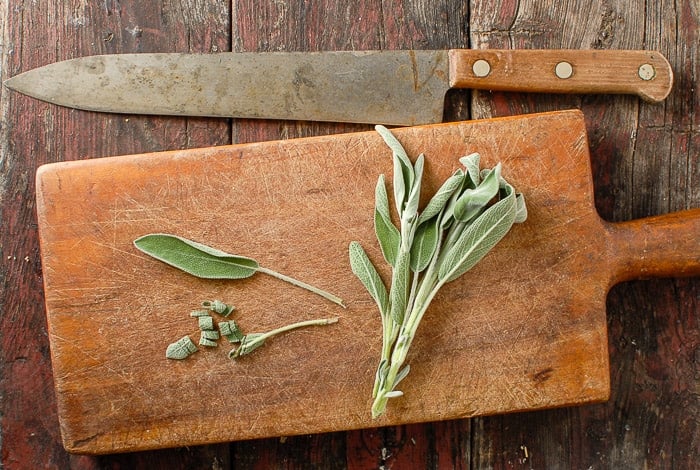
x,y
525,329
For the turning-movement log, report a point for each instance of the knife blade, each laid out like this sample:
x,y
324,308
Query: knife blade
x,y
379,87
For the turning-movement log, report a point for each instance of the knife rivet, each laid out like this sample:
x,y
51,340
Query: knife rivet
x,y
647,71
564,70
481,68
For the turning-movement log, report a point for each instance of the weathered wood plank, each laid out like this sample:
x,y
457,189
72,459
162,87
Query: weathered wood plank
x,y
646,160
332,25
33,133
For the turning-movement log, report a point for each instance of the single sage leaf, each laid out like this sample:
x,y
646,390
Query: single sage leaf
x,y
425,244
442,196
388,235
403,169
209,263
413,200
365,271
402,374
477,239
399,292
471,163
196,259
472,201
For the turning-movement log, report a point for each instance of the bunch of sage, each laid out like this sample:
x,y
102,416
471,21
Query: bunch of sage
x,y
467,216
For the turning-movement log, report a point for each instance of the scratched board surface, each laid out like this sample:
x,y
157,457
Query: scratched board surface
x,y
523,330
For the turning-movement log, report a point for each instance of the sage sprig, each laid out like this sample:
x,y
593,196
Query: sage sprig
x,y
253,341
467,216
211,332
209,263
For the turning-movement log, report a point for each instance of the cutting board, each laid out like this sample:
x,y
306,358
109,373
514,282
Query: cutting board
x,y
524,330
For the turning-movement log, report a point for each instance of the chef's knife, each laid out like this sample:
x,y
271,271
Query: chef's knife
x,y
387,87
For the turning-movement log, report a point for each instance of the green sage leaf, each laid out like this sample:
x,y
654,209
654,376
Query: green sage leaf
x,y
440,199
478,239
380,376
403,169
402,374
425,244
411,209
399,292
196,259
471,163
388,235
365,271
472,201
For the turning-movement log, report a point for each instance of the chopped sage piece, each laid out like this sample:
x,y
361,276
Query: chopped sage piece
x,y
204,340
205,323
219,307
470,213
230,331
199,313
210,334
181,349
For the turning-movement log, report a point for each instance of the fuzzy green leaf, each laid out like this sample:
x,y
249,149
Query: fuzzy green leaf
x,y
365,271
442,196
399,292
196,259
478,239
425,244
471,163
403,169
472,201
411,209
388,235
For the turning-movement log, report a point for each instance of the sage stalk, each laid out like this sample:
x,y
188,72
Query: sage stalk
x,y
467,216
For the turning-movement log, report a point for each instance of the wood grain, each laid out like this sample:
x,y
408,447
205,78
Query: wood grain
x,y
646,74
645,162
36,33
541,343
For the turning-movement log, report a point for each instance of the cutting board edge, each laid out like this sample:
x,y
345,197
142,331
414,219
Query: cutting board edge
x,y
88,446
47,168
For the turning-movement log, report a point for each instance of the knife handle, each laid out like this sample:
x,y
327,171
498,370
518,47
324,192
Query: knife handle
x,y
646,74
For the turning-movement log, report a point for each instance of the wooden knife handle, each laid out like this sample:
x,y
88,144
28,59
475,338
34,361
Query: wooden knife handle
x,y
660,246
646,74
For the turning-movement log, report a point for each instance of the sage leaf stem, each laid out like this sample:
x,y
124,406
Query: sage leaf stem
x,y
252,341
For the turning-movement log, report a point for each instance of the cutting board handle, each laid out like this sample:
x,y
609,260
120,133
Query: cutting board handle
x,y
659,246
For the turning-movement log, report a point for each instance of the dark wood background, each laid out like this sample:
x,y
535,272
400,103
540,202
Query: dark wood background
x,y
646,161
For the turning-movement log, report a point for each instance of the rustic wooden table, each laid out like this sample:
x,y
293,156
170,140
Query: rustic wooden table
x,y
645,159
